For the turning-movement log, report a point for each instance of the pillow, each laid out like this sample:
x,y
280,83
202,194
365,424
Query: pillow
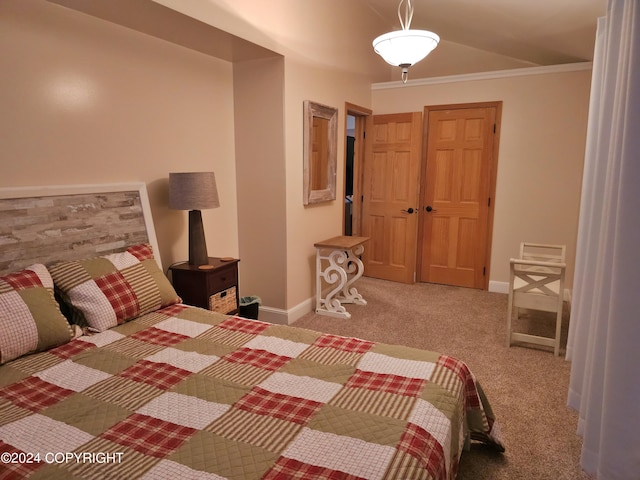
x,y
115,288
30,320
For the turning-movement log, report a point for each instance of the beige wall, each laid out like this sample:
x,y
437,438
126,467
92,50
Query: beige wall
x,y
87,101
94,102
325,61
544,119
313,223
261,178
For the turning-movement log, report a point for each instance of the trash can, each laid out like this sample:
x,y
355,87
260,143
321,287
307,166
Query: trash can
x,y
249,307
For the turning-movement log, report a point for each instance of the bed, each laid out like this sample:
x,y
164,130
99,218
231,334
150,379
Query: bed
x,y
106,374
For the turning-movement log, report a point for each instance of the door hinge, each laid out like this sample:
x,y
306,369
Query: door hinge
x,y
362,198
494,128
484,271
489,202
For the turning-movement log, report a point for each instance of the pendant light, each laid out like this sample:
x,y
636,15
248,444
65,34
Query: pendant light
x,y
406,47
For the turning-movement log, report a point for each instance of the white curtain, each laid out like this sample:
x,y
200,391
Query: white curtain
x,y
604,333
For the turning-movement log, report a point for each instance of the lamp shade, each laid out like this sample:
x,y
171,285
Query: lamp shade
x,y
193,191
405,47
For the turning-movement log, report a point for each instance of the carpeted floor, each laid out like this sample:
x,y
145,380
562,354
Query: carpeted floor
x,y
527,387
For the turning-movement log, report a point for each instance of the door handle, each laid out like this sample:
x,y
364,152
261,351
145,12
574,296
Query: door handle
x,y
408,210
429,208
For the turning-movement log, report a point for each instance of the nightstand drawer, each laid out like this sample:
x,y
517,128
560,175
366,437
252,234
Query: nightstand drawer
x,y
225,278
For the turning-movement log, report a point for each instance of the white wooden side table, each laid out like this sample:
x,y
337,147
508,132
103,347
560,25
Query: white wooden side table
x,y
337,263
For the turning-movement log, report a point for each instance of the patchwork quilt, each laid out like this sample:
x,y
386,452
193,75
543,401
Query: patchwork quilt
x,y
188,393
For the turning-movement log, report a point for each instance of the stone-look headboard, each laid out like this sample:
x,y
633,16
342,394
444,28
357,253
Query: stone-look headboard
x,y
50,224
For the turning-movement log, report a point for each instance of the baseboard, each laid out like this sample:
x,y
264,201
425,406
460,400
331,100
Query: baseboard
x,y
498,287
285,317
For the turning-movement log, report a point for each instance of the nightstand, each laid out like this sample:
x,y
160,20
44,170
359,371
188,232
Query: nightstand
x,y
214,288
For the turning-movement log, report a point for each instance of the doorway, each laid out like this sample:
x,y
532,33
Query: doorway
x,y
348,175
356,120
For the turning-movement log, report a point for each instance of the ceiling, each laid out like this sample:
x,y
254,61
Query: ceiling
x,y
476,35
533,33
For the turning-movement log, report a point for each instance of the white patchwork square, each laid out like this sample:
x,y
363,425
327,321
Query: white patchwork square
x,y
72,376
166,469
94,304
190,361
277,346
435,422
39,434
103,338
337,452
122,260
182,326
378,363
184,410
301,387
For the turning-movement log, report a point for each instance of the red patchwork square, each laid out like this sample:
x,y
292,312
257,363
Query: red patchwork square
x,y
344,343
157,336
121,296
159,375
408,387
23,279
149,435
34,394
70,349
141,252
422,446
288,469
284,407
466,378
257,358
244,325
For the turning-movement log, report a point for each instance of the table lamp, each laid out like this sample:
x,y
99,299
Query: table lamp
x,y
194,191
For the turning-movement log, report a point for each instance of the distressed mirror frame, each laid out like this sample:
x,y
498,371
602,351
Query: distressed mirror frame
x,y
315,110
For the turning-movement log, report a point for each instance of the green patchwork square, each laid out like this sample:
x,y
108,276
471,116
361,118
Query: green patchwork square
x,y
106,361
214,390
89,414
308,368
213,453
367,427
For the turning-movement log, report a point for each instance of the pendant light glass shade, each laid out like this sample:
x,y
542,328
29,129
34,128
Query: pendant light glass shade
x,y
405,47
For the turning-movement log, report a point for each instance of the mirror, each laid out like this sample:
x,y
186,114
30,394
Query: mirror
x,y
320,152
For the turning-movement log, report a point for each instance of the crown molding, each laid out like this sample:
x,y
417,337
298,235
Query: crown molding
x,y
468,77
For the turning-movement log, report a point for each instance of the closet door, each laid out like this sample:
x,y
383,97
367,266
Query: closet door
x,y
390,196
458,185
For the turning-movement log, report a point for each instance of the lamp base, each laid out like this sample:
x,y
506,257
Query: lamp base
x,y
197,244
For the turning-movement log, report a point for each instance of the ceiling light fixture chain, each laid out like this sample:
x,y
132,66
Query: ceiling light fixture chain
x,y
406,47
408,14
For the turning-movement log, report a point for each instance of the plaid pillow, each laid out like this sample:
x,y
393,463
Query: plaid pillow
x,y
116,288
30,320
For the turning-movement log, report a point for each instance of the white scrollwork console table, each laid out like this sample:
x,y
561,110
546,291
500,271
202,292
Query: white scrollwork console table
x,y
337,263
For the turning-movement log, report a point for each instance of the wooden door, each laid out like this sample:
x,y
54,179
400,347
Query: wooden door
x,y
456,214
390,196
